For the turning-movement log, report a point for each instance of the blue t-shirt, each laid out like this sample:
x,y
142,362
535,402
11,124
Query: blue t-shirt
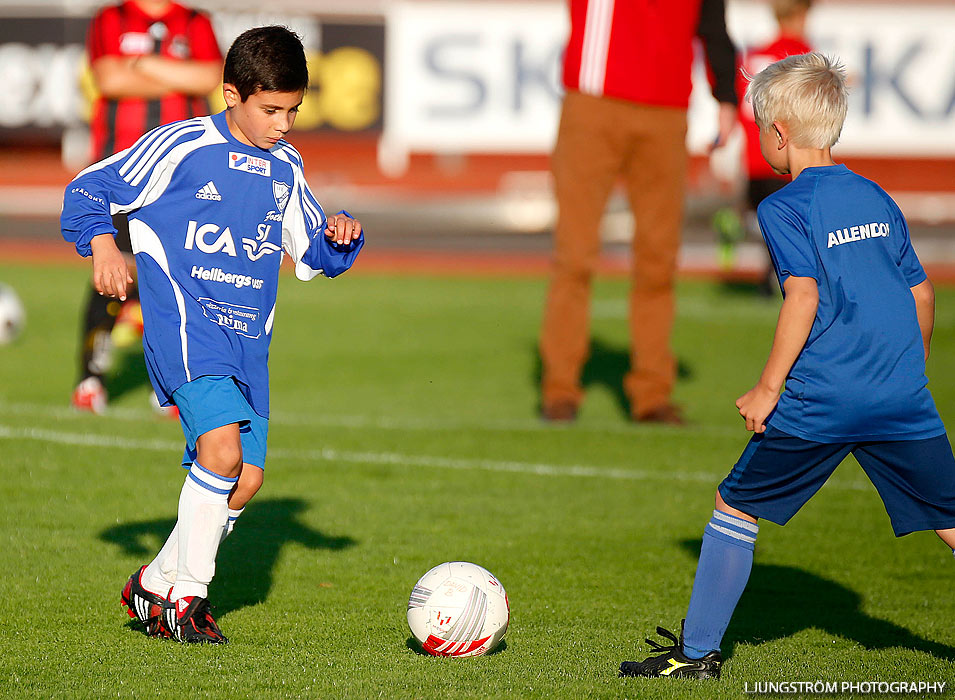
x,y
861,374
209,220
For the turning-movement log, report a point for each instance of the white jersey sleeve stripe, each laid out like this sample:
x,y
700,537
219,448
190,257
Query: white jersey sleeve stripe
x,y
163,171
144,240
311,206
291,155
132,157
98,165
145,142
156,152
301,219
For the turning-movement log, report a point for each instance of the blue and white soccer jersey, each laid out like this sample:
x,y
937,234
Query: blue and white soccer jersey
x,y
209,218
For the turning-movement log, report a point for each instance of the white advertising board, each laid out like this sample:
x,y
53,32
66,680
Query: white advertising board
x,y
900,58
472,76
485,76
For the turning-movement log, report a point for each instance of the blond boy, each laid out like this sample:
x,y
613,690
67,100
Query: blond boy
x,y
846,372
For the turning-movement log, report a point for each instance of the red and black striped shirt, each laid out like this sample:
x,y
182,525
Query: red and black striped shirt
x,y
126,30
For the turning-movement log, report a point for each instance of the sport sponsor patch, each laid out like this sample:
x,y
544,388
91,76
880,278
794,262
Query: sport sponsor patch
x,y
217,274
250,164
259,247
244,320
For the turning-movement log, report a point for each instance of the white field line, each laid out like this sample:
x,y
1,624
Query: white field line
x,y
393,423
389,458
332,455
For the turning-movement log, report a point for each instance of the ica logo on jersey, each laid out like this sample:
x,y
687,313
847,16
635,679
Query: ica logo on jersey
x,y
250,164
209,239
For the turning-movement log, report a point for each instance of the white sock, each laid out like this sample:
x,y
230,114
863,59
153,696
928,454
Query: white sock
x,y
230,523
160,575
203,510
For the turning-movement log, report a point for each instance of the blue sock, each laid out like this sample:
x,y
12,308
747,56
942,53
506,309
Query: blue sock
x,y
726,560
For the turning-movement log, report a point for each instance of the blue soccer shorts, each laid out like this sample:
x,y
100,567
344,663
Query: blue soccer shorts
x,y
211,402
777,473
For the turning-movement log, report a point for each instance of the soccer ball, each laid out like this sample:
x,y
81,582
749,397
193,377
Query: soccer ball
x,y
13,316
458,609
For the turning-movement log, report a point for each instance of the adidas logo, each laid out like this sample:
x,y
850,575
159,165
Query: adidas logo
x,y
209,191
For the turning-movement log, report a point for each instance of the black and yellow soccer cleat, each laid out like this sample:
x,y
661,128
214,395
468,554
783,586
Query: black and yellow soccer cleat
x,y
670,661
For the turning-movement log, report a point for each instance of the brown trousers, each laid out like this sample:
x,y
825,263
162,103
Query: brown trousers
x,y
599,140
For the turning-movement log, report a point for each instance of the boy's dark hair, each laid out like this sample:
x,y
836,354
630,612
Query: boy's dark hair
x,y
266,58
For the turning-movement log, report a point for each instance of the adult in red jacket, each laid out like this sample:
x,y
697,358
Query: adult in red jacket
x,y
627,79
153,62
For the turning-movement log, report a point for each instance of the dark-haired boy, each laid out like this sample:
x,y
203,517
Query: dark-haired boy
x,y
212,203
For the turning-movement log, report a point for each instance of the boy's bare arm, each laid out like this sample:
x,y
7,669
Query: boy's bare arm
x,y
189,77
152,77
792,329
924,294
110,271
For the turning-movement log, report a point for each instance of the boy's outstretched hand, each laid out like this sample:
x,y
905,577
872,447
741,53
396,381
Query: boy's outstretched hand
x,y
755,405
110,271
342,229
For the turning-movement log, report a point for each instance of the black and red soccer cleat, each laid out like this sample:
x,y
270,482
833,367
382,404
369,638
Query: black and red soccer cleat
x,y
189,620
143,605
671,662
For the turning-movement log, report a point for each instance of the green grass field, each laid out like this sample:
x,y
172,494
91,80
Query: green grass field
x,y
404,434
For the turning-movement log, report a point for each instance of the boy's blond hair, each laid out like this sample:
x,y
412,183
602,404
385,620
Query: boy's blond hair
x,y
807,93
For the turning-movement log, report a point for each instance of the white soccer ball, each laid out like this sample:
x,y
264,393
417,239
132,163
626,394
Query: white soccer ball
x,y
458,609
13,317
